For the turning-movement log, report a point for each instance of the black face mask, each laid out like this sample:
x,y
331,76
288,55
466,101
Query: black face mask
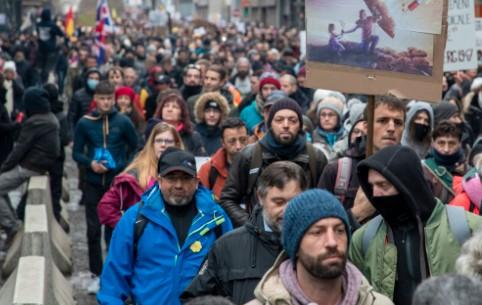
x,y
359,145
421,131
392,208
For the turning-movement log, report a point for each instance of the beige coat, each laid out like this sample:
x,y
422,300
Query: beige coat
x,y
270,290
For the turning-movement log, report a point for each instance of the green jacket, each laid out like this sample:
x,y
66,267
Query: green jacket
x,y
380,260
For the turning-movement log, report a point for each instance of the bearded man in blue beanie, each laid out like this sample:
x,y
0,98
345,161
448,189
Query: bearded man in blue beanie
x,y
313,268
35,151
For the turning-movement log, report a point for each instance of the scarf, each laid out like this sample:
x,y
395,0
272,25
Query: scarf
x,y
352,279
330,137
8,85
259,103
448,161
283,151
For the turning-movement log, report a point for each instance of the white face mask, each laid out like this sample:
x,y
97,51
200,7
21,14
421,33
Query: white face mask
x,y
480,98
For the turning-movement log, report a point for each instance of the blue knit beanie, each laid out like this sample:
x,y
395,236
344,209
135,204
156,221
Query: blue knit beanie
x,y
306,209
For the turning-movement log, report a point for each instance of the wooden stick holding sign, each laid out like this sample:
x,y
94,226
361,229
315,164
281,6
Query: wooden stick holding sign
x,y
371,121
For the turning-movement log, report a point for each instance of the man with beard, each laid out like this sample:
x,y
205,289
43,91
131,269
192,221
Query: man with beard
x,y
154,264
313,269
260,237
192,82
416,235
285,141
241,80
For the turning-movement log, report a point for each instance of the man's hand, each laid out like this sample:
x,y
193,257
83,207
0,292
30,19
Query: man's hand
x,y
98,168
362,208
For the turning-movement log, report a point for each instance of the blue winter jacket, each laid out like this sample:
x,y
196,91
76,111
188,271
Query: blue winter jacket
x,y
251,117
121,140
163,269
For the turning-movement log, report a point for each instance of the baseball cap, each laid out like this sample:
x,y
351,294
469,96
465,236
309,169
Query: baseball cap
x,y
162,79
175,159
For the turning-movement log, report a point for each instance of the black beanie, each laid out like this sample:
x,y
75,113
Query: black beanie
x,y
36,101
285,103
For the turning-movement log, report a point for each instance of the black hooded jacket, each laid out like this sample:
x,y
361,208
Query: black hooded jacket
x,y
237,262
401,166
47,32
81,99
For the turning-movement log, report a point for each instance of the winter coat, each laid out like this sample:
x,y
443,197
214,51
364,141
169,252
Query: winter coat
x,y
302,100
38,144
81,100
380,260
211,137
271,291
468,193
217,163
251,116
162,269
191,102
193,142
425,228
421,148
124,192
120,140
237,262
18,92
235,190
47,32
205,98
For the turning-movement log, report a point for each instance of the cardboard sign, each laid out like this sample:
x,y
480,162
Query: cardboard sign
x,y
478,33
460,51
365,47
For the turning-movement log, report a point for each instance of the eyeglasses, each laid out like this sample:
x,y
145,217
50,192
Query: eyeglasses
x,y
164,141
242,140
327,114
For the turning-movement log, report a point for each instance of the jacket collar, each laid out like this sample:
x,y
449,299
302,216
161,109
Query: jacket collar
x,y
219,161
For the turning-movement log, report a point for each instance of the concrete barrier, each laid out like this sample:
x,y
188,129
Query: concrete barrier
x,y
41,235
36,281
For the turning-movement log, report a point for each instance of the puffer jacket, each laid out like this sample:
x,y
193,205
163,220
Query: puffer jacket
x,y
271,291
237,262
163,268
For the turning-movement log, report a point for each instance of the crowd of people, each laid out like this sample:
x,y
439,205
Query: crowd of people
x,y
219,178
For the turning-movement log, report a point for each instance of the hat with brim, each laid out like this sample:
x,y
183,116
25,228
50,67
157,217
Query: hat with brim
x,y
175,159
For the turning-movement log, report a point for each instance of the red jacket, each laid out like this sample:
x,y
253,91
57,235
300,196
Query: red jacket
x,y
219,162
124,192
462,198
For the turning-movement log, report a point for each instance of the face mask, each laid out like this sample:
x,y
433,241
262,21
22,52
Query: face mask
x,y
92,84
392,208
421,131
360,144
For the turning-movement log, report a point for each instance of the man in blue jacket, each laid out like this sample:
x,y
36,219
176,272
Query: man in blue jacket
x,y
104,142
160,244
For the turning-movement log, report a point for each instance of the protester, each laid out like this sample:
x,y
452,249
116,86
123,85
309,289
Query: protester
x,y
210,110
191,82
446,164
172,109
260,237
101,144
34,153
161,84
14,89
284,141
65,136
289,85
8,128
313,269
402,233
124,100
82,98
262,128
180,224
252,114
47,33
418,128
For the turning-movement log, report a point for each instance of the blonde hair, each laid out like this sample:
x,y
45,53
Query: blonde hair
x,y
145,163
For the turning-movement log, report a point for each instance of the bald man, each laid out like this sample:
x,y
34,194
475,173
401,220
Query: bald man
x,y
289,85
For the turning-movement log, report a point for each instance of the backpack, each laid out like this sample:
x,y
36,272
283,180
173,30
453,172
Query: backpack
x,y
140,226
343,176
257,162
457,219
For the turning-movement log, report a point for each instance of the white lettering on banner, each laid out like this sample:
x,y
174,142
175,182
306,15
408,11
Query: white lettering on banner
x,y
461,51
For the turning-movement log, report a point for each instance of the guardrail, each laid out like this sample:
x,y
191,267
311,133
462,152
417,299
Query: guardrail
x,y
40,255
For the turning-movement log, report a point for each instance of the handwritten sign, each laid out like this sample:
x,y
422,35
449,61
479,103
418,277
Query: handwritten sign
x,y
478,33
460,51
